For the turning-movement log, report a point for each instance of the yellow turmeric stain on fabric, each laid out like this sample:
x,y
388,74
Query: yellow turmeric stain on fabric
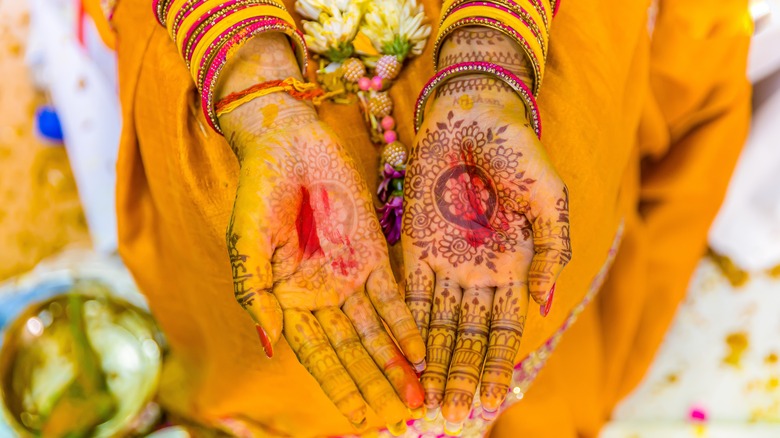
x,y
736,276
737,344
770,359
269,114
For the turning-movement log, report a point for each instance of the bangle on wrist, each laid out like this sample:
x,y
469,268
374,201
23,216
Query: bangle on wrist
x,y
208,33
211,66
530,15
469,68
537,65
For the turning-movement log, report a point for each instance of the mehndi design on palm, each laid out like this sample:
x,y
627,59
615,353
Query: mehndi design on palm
x,y
486,222
310,261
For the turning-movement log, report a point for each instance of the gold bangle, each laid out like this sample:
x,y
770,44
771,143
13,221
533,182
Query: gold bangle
x,y
536,65
530,15
206,8
470,68
503,16
229,21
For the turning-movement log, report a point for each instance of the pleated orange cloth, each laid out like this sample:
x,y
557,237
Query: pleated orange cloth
x,y
611,99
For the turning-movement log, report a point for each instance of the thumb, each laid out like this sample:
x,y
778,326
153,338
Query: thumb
x,y
252,287
267,314
552,246
250,249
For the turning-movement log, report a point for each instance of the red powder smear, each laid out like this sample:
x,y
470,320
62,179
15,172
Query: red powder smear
x,y
343,266
404,379
308,242
330,233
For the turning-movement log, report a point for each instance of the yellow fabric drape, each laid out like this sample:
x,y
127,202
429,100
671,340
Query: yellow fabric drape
x,y
94,8
177,182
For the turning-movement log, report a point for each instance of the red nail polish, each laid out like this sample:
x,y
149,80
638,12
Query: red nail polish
x,y
545,309
267,347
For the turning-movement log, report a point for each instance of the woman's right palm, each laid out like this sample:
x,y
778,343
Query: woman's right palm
x,y
309,260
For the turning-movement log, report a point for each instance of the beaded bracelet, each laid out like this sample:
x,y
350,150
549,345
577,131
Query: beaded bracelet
x,y
468,68
497,25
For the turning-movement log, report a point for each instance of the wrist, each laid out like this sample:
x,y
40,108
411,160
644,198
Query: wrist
x,y
469,44
259,118
265,57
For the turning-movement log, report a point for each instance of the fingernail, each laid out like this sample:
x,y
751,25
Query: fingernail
x,y
420,366
489,415
453,429
265,342
431,413
397,429
418,413
361,425
545,309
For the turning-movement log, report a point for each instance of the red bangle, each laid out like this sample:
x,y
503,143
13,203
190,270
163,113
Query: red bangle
x,y
467,68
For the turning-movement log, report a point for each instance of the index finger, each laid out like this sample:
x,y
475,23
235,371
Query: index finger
x,y
386,298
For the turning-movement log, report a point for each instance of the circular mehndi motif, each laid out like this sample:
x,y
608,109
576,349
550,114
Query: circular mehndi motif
x,y
466,197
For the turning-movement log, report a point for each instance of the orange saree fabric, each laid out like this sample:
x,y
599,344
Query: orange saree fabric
x,y
177,180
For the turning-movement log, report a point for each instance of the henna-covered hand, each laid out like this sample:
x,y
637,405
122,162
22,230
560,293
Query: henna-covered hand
x,y
486,221
309,259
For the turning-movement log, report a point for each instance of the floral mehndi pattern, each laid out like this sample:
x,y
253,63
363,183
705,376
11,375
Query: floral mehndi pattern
x,y
477,191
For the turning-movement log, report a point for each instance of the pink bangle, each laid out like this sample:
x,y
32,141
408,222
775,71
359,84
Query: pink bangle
x,y
499,26
188,43
516,11
157,8
211,67
468,68
555,7
539,5
540,37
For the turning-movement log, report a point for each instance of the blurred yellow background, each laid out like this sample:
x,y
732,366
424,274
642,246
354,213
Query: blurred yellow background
x,y
39,205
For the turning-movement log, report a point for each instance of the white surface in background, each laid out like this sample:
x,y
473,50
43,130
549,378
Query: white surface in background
x,y
747,229
82,85
721,354
645,430
764,56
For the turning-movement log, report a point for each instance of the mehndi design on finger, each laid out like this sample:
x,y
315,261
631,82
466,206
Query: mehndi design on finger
x,y
441,340
470,347
506,331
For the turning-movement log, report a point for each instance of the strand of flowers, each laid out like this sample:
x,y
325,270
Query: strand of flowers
x,y
362,46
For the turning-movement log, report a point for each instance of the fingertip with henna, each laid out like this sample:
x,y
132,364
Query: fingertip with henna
x,y
431,413
265,342
489,415
419,367
544,309
453,429
397,429
361,425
